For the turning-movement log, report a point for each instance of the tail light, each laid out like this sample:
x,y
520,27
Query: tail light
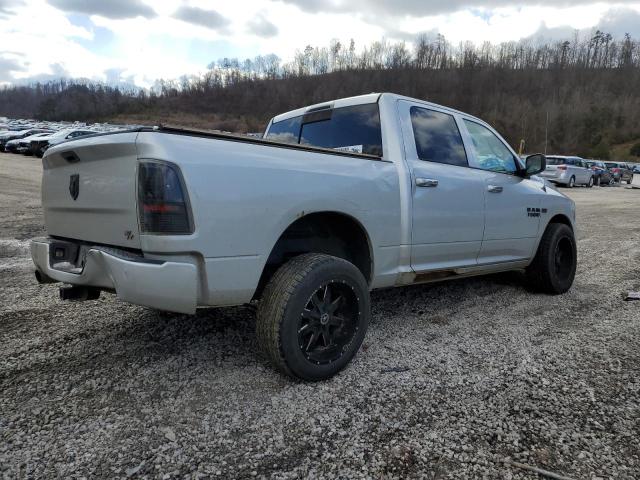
x,y
562,167
162,200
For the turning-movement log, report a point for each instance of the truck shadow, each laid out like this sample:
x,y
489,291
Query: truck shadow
x,y
214,343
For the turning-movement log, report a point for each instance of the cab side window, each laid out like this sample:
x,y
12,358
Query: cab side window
x,y
437,137
492,154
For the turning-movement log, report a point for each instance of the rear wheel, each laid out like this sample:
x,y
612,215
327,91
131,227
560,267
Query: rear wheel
x,y
313,316
572,182
554,266
590,184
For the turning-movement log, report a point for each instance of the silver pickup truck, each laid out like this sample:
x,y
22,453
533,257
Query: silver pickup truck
x,y
337,199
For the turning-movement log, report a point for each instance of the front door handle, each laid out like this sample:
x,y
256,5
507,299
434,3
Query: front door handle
x,y
426,182
494,188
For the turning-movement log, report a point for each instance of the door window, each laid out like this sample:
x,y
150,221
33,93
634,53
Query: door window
x,y
437,137
491,153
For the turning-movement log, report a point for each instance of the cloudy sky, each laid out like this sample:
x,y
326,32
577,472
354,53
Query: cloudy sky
x,y
139,41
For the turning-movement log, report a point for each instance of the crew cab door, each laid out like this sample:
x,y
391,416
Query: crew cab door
x,y
447,212
512,203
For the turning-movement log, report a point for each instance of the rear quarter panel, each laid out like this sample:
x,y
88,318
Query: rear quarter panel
x,y
244,196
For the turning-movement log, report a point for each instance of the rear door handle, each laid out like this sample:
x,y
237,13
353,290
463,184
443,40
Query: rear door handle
x,y
426,182
494,188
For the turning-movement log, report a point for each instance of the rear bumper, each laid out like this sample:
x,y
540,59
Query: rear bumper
x,y
165,285
560,181
556,177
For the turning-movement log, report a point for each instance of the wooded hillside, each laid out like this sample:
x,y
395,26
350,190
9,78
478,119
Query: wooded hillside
x,y
583,95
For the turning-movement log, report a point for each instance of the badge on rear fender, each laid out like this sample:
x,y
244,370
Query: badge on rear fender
x,y
74,185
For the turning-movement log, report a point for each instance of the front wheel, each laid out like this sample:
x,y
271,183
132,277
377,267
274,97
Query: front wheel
x,y
554,266
313,316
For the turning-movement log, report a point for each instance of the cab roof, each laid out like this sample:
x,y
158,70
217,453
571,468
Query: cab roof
x,y
361,100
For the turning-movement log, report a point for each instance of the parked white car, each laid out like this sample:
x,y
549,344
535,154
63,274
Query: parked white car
x,y
41,144
568,171
338,199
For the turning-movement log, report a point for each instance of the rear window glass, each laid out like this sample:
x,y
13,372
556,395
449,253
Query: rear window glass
x,y
611,165
556,161
287,131
352,129
437,137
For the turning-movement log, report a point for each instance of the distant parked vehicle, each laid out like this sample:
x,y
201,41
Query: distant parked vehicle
x,y
24,144
11,146
40,145
8,136
568,171
621,171
601,174
635,168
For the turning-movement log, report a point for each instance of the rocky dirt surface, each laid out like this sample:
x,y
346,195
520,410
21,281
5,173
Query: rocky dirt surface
x,y
455,380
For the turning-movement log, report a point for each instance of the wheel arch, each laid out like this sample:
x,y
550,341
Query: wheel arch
x,y
331,232
560,218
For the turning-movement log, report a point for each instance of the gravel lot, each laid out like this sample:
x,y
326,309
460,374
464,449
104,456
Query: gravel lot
x,y
453,379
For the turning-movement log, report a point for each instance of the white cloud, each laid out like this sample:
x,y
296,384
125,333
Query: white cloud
x,y
37,38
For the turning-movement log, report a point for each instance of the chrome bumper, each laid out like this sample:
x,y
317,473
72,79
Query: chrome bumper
x,y
170,286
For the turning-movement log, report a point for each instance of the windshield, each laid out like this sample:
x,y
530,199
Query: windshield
x,y
354,129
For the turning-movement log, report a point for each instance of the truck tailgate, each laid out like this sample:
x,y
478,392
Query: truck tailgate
x,y
89,190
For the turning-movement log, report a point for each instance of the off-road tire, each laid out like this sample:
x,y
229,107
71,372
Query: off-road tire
x,y
285,298
544,274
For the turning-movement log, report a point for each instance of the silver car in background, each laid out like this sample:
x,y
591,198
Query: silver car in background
x,y
568,171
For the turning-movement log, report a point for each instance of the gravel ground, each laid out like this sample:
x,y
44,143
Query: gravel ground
x,y
453,379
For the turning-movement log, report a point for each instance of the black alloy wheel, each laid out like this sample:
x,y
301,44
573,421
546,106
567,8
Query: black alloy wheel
x,y
564,259
328,323
313,316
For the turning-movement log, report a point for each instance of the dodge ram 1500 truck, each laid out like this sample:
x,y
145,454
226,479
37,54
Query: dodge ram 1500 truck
x,y
337,199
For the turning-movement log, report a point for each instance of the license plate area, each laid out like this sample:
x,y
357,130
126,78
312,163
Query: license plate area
x,y
67,256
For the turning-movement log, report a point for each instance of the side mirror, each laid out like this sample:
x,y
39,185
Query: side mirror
x,y
535,164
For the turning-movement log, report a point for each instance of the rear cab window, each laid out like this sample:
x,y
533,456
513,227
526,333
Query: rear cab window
x,y
352,129
437,137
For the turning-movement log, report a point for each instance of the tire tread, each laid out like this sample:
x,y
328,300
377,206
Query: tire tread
x,y
538,275
274,301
